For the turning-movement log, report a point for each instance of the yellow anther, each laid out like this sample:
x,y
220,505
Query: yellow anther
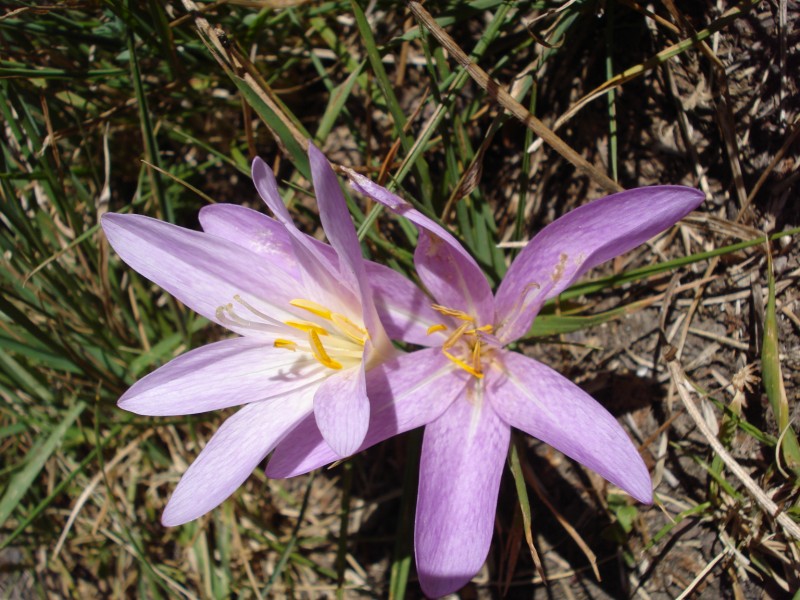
x,y
286,344
453,339
476,357
452,312
469,369
467,332
346,326
308,327
312,307
318,350
435,328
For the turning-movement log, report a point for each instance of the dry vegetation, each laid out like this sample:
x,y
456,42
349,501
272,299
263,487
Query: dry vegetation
x,y
693,341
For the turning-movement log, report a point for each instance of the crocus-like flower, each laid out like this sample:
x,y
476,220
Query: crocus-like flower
x,y
307,314
468,390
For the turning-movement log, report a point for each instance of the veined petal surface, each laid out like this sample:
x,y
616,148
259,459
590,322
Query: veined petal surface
x,y
580,240
252,230
445,267
341,234
227,373
403,307
321,280
202,271
230,456
534,398
341,409
463,454
406,392
335,217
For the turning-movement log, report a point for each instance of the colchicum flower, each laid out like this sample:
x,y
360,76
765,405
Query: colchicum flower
x,y
307,314
468,390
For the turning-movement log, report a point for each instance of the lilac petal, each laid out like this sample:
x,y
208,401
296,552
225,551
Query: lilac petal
x,y
342,236
341,409
405,393
227,373
264,180
202,271
446,269
404,309
534,398
321,279
463,453
580,240
335,217
252,230
243,441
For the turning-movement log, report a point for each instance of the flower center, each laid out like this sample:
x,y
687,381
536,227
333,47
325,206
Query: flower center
x,y
347,341
344,339
467,344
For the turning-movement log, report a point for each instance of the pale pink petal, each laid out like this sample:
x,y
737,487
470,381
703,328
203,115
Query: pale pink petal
x,y
264,180
405,393
580,240
252,230
321,279
243,441
452,281
463,453
341,409
447,270
202,271
335,217
341,234
403,307
227,373
534,398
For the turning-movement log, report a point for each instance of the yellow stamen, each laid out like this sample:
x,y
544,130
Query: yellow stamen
x,y
453,339
308,327
350,329
286,344
312,307
476,358
463,365
473,339
435,328
452,312
318,350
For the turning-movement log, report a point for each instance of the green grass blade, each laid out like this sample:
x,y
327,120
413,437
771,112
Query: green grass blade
x,y
773,377
42,450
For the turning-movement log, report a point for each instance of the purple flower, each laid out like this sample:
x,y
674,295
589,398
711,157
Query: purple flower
x,y
307,314
468,390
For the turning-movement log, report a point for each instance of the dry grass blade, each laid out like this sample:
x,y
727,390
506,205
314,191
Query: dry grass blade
x,y
507,101
238,66
779,155
701,575
89,489
533,481
663,56
683,386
